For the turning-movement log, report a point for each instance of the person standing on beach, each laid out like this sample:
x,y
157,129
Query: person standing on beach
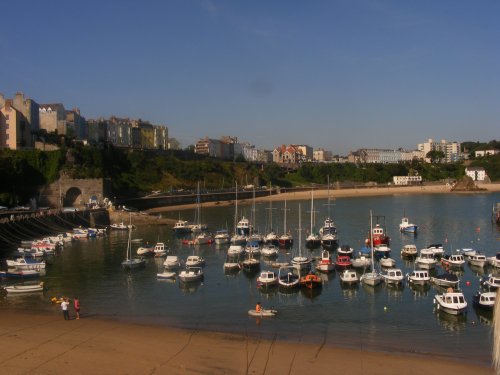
x,y
64,308
76,304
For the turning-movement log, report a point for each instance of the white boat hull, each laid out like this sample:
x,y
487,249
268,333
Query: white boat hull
x,y
262,313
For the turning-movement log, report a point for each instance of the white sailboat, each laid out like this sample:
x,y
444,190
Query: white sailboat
x,y
286,239
198,226
371,278
301,262
271,238
313,239
129,262
237,238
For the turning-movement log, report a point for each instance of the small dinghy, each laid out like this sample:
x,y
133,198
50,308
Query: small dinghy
x,y
20,274
446,280
17,289
262,313
166,275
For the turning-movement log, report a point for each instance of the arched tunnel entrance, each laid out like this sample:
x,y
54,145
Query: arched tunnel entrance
x,y
73,196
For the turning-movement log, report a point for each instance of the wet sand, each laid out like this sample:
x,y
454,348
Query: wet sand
x,y
44,343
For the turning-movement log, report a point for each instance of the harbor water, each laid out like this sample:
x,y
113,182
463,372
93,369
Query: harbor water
x,y
401,319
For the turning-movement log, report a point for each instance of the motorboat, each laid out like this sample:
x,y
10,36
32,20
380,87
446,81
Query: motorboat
x,y
426,259
269,250
349,276
451,302
382,250
311,281
118,226
326,264
253,247
203,238
239,239
494,261
262,313
181,227
345,250
407,227
393,276
437,249
485,300
243,226
194,261
271,238
418,277
145,250
231,266
409,250
191,274
467,252
446,280
250,264
491,282
378,236
235,250
477,260
19,274
222,237
328,234
453,260
26,264
160,249
166,275
343,261
172,262
267,279
18,289
361,262
387,262
288,277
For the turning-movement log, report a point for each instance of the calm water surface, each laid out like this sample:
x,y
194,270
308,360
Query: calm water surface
x,y
382,318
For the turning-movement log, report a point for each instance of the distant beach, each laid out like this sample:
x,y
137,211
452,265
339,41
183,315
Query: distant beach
x,y
44,343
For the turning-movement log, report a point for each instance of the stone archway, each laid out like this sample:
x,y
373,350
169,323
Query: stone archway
x,y
72,197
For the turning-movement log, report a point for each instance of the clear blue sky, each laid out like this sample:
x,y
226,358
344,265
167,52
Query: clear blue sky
x,y
341,75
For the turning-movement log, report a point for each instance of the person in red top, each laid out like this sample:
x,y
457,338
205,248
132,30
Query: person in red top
x,y
76,304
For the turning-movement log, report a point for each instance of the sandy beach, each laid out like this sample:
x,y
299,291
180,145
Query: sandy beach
x,y
44,343
344,193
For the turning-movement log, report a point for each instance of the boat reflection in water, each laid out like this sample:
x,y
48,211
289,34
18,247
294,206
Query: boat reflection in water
x,y
419,291
190,287
451,322
311,293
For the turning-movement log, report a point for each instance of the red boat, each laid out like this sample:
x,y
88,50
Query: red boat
x,y
311,281
343,261
379,236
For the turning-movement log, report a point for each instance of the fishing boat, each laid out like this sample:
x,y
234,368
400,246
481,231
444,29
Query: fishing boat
x,y
445,280
407,227
160,249
204,238
18,289
491,282
371,278
377,234
343,261
194,261
328,232
129,262
426,259
453,260
326,264
286,239
288,277
267,279
262,313
409,250
418,277
222,237
171,262
451,302
437,249
181,227
191,274
393,276
484,300
243,226
345,250
349,277
477,260
313,239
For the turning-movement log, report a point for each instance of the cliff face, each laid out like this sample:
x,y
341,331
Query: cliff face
x,y
466,184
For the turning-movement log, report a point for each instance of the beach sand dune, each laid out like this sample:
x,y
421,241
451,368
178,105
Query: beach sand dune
x,y
43,343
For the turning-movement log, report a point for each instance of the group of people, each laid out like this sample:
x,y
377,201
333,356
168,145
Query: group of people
x,y
65,303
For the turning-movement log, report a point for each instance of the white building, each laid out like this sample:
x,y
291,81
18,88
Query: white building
x,y
476,173
481,153
407,180
451,150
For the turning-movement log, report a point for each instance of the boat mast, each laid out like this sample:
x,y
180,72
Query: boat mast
x,y
371,241
236,208
284,221
300,234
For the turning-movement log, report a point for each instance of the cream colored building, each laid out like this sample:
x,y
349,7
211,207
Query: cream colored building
x,y
18,119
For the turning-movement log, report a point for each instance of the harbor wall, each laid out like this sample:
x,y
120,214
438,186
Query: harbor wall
x,y
36,224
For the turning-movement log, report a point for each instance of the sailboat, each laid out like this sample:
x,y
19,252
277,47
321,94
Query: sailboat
x,y
313,239
371,278
198,226
271,238
239,238
286,239
129,262
328,232
254,235
300,261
